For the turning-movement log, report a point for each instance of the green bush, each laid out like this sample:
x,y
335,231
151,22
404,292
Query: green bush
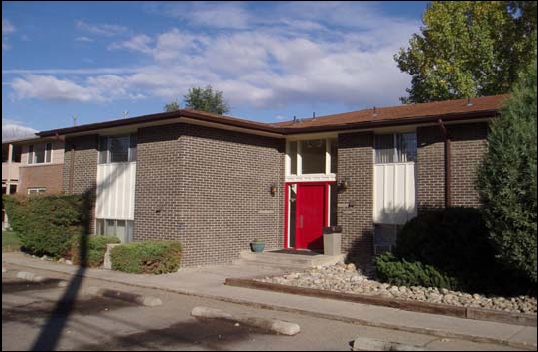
x,y
148,257
398,272
507,180
46,224
456,241
95,248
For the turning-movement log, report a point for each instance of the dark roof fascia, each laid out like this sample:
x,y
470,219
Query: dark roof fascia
x,y
271,129
156,118
392,122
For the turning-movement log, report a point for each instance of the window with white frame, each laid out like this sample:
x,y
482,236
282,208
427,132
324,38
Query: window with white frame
x,y
117,149
312,156
123,229
36,190
40,153
395,148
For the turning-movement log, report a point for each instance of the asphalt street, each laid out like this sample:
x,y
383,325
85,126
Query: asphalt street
x,y
38,316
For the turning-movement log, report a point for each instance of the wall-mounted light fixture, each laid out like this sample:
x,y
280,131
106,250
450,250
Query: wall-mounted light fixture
x,y
343,184
272,189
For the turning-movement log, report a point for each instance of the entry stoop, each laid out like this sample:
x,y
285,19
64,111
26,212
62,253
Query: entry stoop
x,y
298,259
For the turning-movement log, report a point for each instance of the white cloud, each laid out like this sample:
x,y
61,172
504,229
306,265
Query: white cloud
x,y
83,39
7,27
300,53
108,30
52,88
137,43
228,15
12,129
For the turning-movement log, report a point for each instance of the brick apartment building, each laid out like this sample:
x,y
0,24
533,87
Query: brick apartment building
x,y
215,183
31,165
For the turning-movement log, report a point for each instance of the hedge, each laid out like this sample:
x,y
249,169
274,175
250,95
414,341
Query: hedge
x,y
398,272
47,223
455,243
147,257
95,249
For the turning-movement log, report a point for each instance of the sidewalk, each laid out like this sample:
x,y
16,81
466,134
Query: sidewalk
x,y
209,282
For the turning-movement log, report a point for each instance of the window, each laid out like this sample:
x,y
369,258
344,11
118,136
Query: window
x,y
123,229
117,149
385,236
40,153
36,190
293,158
395,148
313,156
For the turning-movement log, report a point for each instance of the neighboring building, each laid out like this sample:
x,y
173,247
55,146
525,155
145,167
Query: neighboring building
x,y
11,160
41,168
32,165
215,183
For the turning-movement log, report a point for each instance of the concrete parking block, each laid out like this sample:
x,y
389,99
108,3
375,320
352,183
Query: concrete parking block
x,y
147,301
273,325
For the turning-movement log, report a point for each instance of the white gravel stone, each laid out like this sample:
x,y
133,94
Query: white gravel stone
x,y
346,278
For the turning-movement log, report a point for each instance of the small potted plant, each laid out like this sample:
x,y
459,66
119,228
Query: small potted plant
x,y
257,245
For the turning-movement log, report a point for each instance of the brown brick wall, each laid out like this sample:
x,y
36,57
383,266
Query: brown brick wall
x,y
355,162
212,189
430,168
85,169
469,145
49,176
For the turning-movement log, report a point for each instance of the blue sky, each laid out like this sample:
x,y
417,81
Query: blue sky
x,y
272,60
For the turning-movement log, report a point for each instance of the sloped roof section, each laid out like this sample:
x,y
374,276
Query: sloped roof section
x,y
487,104
459,109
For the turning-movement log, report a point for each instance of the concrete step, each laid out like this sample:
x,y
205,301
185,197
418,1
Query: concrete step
x,y
285,260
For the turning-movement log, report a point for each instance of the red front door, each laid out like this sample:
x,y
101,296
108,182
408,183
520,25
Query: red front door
x,y
311,203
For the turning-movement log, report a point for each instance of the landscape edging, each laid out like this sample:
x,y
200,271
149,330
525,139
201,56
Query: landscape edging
x,y
415,306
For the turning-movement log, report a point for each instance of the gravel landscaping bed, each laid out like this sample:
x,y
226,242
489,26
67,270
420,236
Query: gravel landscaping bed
x,y
346,278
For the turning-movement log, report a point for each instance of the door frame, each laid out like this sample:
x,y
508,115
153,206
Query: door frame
x,y
326,215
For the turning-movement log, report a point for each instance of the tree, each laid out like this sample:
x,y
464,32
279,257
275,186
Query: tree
x,y
205,99
469,49
171,106
507,179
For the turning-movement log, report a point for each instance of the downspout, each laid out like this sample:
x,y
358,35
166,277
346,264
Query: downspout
x,y
448,164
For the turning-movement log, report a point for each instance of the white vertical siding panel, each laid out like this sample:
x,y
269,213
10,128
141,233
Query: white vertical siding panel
x,y
115,191
399,210
394,193
379,193
411,192
388,206
132,191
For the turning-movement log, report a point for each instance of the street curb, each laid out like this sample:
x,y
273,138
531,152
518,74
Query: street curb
x,y
422,307
147,301
273,325
369,344
426,331
30,276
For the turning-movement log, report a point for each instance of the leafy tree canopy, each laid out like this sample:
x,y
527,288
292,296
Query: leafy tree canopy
x,y
469,48
172,106
206,99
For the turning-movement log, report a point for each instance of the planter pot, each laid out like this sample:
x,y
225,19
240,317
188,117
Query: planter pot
x,y
257,246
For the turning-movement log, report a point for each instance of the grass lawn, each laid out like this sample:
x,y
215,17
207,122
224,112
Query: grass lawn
x,y
10,241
